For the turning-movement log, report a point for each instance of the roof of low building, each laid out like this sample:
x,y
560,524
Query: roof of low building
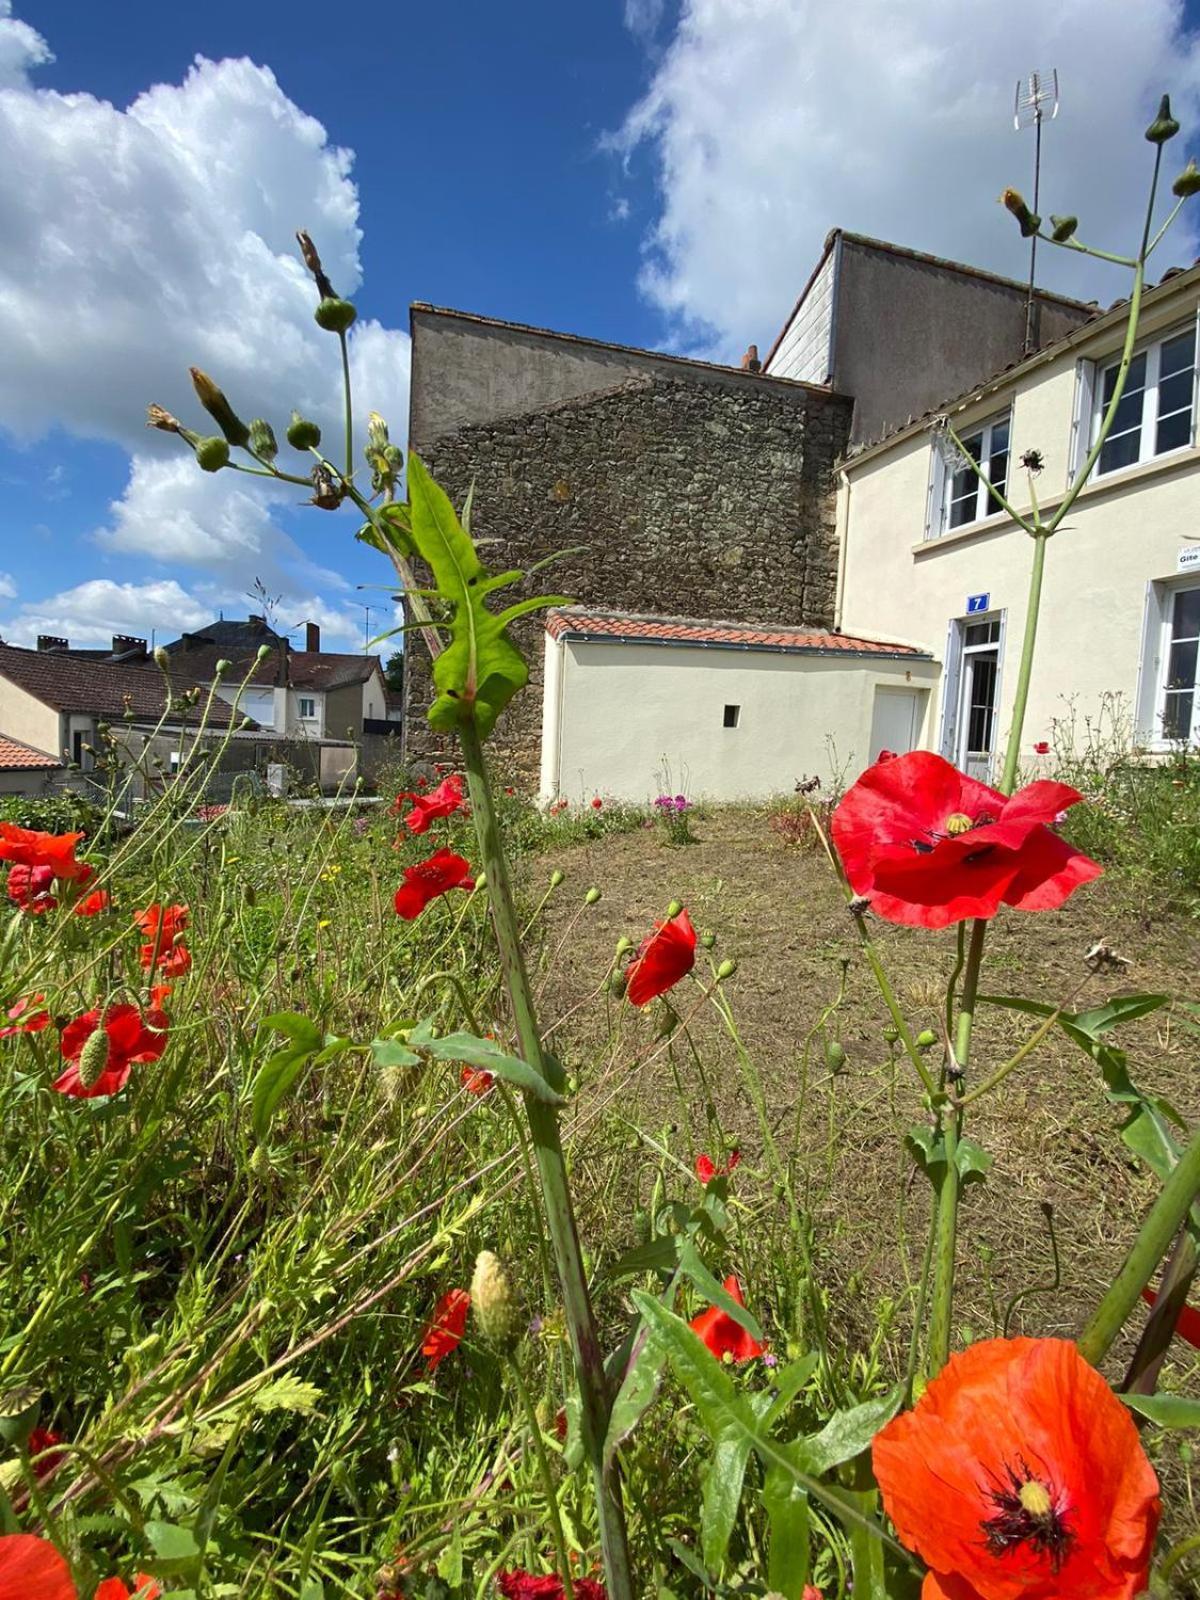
x,y
99,688
628,627
18,757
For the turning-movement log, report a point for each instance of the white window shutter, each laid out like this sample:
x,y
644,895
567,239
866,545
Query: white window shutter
x,y
951,673
1196,376
936,493
1081,422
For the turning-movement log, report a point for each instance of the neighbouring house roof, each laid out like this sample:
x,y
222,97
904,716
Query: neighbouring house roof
x,y
622,627
326,669
283,667
228,631
942,263
1101,320
99,688
18,757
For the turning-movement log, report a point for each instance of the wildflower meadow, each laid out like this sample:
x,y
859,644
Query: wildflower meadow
x,y
379,1224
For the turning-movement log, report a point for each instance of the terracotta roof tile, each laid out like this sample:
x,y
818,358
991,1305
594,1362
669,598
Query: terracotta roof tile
x,y
574,622
18,757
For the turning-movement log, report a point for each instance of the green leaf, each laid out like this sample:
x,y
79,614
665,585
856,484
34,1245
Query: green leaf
x,y
450,1562
638,1388
657,1255
709,1385
488,1057
271,1082
786,1506
287,1393
928,1149
723,1480
173,1545
787,1383
480,669
1167,1410
848,1433
393,1053
715,1292
302,1031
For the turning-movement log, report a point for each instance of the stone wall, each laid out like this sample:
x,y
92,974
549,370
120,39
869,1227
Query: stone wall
x,y
688,497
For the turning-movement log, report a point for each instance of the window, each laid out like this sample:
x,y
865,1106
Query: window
x,y
964,495
1154,413
1178,713
732,713
307,707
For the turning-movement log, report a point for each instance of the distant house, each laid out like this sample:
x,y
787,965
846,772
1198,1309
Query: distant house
x,y
24,770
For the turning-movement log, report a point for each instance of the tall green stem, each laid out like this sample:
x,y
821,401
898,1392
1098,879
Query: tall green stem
x,y
594,1400
1012,756
1166,1217
547,1477
349,472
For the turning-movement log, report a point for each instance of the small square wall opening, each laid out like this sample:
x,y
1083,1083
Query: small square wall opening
x,y
732,713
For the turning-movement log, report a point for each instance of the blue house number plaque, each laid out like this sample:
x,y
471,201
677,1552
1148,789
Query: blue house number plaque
x,y
977,602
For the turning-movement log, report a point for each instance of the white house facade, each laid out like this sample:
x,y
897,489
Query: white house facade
x,y
927,560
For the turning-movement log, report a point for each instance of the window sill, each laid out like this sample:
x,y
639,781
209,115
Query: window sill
x,y
1111,483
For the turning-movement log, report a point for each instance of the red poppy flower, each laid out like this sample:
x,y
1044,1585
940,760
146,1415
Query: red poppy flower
x,y
131,1037
1019,1475
520,1585
1042,747
31,1567
443,801
723,1336
929,846
145,1588
171,920
22,1020
445,1330
33,849
442,872
667,955
1187,1324
173,959
29,888
475,1080
40,1448
597,803
707,1169
91,905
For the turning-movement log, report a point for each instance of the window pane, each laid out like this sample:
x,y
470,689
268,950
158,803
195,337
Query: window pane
x,y
1175,383
977,633
1185,622
1000,436
983,683
1121,450
1135,380
997,474
1175,393
1173,433
1181,668
1178,354
1177,716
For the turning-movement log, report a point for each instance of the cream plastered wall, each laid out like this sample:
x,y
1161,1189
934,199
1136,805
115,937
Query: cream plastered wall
x,y
618,718
1123,534
25,718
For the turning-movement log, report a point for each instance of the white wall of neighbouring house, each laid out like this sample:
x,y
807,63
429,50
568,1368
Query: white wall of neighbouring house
x,y
629,721
26,718
1127,546
260,705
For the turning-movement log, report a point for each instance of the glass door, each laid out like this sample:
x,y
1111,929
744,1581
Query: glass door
x,y
972,746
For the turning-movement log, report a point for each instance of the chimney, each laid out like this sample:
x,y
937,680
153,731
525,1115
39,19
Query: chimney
x,y
312,636
750,361
128,645
47,642
257,624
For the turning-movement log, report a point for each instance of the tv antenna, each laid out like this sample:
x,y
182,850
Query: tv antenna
x,y
1036,102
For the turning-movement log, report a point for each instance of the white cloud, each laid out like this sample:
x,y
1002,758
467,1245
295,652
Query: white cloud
x,y
8,589
90,613
772,121
138,242
643,18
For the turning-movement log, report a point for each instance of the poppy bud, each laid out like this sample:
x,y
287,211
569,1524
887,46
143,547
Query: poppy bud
x,y
1012,201
161,659
708,938
1188,181
591,897
493,1302
891,1035
1063,228
1164,126
212,454
926,1038
93,1058
222,667
726,970
303,434
556,877
262,439
617,984
481,880
335,315
264,650
674,908
835,1056
623,944
218,408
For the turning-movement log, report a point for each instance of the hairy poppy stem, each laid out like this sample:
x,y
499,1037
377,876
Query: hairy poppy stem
x,y
594,1399
1166,1217
547,1477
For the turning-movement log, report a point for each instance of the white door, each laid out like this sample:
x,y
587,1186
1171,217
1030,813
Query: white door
x,y
974,728
896,720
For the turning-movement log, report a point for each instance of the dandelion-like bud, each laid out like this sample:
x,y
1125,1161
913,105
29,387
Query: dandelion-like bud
x,y
212,454
161,659
556,877
93,1058
262,439
1188,181
158,417
1013,201
218,408
1164,126
313,262
1062,228
303,434
591,897
494,1303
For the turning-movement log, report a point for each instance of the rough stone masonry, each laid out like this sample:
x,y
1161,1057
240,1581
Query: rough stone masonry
x,y
680,489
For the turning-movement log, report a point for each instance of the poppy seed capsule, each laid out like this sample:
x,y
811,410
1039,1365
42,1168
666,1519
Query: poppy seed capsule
x,y
212,454
303,434
93,1058
708,938
726,970
335,315
1164,126
493,1302
958,822
218,408
1188,181
674,908
926,1038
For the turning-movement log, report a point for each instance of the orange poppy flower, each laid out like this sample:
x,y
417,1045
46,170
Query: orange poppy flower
x,y
446,1327
723,1336
31,1566
1018,1475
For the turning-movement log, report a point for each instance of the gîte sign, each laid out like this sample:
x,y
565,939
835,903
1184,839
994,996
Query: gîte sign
x,y
1189,557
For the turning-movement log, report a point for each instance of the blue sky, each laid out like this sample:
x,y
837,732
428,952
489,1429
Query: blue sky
x,y
656,172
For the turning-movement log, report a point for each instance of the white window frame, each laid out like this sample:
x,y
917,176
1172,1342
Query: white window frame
x,y
1160,607
941,478
1152,350
303,700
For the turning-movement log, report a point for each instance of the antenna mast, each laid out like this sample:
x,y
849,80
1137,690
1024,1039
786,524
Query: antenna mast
x,y
1036,99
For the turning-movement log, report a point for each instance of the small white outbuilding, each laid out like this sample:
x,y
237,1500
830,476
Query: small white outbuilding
x,y
639,705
